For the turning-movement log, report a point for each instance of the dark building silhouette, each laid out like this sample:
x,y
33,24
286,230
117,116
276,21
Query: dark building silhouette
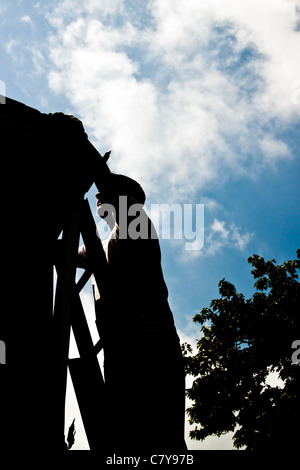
x,y
48,164
46,160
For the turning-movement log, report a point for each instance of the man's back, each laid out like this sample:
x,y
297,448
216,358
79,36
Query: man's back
x,y
143,365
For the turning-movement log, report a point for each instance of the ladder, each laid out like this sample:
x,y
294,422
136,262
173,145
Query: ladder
x,y
85,371
48,158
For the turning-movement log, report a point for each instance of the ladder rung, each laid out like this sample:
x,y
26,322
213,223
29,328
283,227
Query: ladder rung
x,y
83,280
98,346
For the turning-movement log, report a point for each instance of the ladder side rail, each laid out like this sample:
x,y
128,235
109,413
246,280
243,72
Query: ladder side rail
x,y
87,380
85,371
63,306
80,328
94,250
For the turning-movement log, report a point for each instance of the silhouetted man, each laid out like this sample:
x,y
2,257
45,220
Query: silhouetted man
x,y
143,365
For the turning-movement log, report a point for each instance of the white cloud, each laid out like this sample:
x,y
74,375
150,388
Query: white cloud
x,y
219,228
274,149
171,97
11,45
240,240
219,236
69,10
270,27
210,204
26,19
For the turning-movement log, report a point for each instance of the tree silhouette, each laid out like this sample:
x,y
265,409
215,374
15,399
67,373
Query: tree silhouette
x,y
243,341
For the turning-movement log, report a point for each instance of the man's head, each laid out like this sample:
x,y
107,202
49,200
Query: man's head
x,y
116,186
120,185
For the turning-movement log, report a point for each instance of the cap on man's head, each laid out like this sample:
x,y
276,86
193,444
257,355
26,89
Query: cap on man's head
x,y
125,186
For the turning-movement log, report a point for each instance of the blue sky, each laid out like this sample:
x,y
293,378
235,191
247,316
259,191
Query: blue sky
x,y
199,101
